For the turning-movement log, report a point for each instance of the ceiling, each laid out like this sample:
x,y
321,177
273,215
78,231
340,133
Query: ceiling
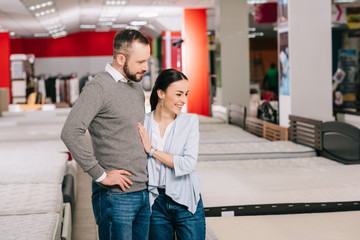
x,y
56,18
25,18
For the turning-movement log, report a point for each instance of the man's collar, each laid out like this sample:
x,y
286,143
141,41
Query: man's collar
x,y
115,74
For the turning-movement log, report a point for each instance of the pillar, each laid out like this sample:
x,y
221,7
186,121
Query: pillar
x,y
232,30
195,60
308,91
5,81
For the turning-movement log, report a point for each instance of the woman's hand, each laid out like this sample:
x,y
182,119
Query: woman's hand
x,y
144,137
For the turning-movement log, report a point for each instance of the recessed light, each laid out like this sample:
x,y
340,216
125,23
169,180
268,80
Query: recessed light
x,y
116,2
41,5
256,1
163,2
119,26
138,23
344,1
59,34
41,34
87,26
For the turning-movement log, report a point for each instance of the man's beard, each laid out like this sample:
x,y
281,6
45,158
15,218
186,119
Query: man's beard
x,y
131,76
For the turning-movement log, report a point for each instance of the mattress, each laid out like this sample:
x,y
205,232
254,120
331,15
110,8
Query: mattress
x,y
34,132
33,226
32,118
50,113
266,186
20,199
205,119
314,226
32,154
19,121
37,169
228,136
252,150
217,127
62,111
41,146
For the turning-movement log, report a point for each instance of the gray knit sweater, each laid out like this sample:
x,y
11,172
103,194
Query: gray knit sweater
x,y
110,110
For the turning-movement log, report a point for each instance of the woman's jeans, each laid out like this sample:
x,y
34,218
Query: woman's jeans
x,y
169,217
123,216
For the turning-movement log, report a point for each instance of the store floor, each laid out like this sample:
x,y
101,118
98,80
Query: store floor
x,y
84,226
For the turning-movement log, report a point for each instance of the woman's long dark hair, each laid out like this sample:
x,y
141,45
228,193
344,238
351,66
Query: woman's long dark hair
x,y
165,78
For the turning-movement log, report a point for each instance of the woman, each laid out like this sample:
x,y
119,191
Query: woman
x,y
171,140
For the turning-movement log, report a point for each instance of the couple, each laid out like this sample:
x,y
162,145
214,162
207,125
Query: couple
x,y
142,167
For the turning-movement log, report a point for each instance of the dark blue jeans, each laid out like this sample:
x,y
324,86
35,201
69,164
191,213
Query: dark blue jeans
x,y
169,217
123,216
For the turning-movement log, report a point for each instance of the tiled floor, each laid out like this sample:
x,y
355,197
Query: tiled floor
x,y
84,227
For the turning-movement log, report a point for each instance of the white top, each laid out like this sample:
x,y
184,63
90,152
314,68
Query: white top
x,y
182,183
158,142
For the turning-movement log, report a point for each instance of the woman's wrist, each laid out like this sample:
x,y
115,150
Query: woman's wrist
x,y
152,150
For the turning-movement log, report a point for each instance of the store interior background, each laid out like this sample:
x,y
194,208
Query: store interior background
x,y
80,45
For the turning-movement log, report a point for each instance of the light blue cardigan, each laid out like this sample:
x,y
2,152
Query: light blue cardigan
x,y
181,183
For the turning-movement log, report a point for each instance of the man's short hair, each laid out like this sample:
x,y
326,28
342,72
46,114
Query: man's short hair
x,y
124,39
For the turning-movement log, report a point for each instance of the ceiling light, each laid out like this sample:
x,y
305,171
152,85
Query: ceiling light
x,y
152,27
41,35
119,26
133,27
59,34
106,19
138,23
87,26
256,1
207,2
344,1
116,2
41,5
46,12
55,26
148,14
105,23
163,2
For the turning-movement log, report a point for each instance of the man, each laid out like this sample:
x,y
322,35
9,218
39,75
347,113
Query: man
x,y
110,106
272,80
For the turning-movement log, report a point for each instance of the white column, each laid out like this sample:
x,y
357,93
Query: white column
x,y
310,63
232,30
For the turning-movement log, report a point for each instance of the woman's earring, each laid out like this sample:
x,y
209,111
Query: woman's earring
x,y
161,103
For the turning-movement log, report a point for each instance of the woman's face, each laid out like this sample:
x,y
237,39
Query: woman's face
x,y
175,96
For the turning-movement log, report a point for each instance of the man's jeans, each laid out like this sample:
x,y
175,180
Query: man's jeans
x,y
123,216
168,217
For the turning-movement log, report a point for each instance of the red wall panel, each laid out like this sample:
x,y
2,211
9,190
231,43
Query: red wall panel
x,y
73,45
5,62
80,44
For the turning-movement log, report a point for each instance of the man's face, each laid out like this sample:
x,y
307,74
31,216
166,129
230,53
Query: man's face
x,y
136,62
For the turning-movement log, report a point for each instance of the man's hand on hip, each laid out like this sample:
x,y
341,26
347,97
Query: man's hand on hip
x,y
117,177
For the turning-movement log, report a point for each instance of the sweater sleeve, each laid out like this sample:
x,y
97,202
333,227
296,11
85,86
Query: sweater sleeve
x,y
82,113
185,164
